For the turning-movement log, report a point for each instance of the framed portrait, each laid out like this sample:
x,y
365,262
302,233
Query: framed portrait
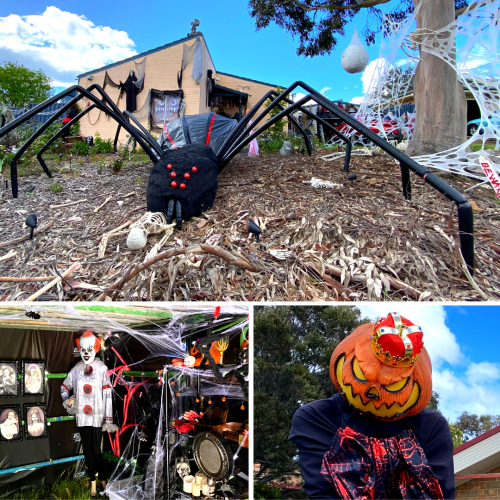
x,y
35,420
9,379
33,378
10,424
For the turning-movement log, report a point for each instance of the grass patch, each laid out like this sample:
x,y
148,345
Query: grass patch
x,y
56,187
477,147
65,487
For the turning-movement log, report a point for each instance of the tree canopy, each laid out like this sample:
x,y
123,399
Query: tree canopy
x,y
318,23
20,86
293,346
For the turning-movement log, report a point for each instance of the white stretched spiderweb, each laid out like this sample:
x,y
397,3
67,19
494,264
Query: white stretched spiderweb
x,y
470,45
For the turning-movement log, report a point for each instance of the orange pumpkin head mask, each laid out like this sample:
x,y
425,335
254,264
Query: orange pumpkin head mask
x,y
383,369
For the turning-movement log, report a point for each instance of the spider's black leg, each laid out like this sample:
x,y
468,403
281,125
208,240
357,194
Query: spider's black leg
x,y
115,143
242,125
170,211
57,135
151,139
27,144
178,214
234,150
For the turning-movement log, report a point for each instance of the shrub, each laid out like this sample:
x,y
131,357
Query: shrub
x,y
102,146
81,148
56,187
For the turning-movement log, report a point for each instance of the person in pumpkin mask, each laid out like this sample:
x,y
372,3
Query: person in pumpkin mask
x,y
375,439
91,404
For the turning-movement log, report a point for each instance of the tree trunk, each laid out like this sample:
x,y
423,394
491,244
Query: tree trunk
x,y
441,106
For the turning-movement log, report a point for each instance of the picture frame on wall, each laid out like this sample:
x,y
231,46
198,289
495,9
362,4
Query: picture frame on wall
x,y
35,418
11,429
33,377
9,379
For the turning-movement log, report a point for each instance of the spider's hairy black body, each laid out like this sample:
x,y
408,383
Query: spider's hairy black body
x,y
199,194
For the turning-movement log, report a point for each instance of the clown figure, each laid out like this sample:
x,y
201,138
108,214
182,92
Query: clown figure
x,y
376,439
91,404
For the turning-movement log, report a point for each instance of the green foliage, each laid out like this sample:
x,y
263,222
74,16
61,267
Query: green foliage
x,y
268,144
102,146
56,187
317,29
20,86
434,402
264,491
6,156
293,346
81,148
456,434
473,425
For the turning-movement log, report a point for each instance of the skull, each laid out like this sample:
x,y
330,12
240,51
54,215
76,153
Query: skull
x,y
183,468
87,348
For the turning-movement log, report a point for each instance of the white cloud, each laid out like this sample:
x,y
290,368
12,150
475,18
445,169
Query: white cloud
x,y
474,389
325,90
373,69
61,44
358,99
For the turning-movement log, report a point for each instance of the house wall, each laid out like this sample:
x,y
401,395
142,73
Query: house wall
x,y
480,489
255,90
160,74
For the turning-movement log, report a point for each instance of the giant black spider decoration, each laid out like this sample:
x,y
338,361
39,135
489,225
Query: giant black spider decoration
x,y
197,165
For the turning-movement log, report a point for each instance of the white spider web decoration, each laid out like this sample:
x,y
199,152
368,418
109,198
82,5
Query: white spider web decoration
x,y
470,46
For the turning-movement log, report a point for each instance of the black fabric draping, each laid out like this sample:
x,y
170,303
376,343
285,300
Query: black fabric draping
x,y
314,426
128,87
56,349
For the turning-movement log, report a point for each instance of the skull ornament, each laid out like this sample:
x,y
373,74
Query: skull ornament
x,y
183,468
383,369
88,345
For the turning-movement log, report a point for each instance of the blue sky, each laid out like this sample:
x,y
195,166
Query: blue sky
x,y
63,43
464,345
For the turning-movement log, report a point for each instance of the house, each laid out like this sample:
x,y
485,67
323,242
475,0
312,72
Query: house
x,y
167,92
477,466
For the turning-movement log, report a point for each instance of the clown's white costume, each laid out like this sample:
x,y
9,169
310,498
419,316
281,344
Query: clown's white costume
x,y
91,403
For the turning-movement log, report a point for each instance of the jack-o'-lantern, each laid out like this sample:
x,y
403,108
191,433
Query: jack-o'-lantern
x,y
383,369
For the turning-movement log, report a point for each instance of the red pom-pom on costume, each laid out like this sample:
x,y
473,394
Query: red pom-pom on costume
x,y
87,409
88,370
87,389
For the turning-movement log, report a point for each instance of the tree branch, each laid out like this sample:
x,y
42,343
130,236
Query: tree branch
x,y
458,12
362,4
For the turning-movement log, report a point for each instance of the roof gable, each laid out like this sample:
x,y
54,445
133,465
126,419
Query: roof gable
x,y
144,54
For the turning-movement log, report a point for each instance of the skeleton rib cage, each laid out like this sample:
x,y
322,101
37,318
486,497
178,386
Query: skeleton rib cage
x,y
240,137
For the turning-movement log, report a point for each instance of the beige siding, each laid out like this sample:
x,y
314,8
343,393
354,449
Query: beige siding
x,y
207,64
160,74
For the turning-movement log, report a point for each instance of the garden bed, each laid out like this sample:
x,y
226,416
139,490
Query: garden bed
x,y
361,241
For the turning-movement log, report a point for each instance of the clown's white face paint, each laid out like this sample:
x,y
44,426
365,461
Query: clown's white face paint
x,y
87,349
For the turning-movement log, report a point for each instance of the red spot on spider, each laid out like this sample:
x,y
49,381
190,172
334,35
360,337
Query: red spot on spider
x,y
187,175
173,184
87,409
183,186
173,174
88,370
169,166
87,388
195,169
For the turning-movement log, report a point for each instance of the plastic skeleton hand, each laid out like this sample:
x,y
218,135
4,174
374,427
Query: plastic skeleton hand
x,y
71,405
109,427
183,183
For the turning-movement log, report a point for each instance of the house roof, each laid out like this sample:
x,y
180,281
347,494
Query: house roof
x,y
225,90
479,455
248,79
147,53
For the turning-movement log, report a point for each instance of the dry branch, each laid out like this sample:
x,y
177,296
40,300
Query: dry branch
x,y
68,204
74,267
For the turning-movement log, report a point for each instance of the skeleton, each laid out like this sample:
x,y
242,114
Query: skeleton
x,y
177,200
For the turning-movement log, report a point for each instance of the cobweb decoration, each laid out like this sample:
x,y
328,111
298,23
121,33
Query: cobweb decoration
x,y
470,45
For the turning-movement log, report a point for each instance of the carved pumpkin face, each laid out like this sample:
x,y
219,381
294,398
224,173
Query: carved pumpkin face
x,y
386,392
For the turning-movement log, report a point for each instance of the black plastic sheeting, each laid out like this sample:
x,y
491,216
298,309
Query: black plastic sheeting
x,y
56,349
194,129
